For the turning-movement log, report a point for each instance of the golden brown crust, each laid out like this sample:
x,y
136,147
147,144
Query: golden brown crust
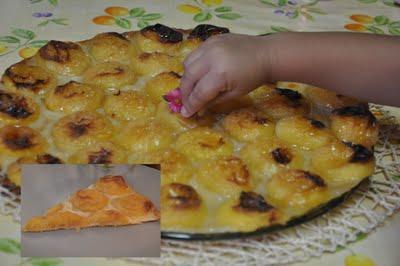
x,y
21,141
113,185
80,130
73,97
355,124
181,206
296,191
25,78
111,47
99,153
109,75
226,176
17,108
65,58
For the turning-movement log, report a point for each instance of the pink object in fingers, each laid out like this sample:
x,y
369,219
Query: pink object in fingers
x,y
174,99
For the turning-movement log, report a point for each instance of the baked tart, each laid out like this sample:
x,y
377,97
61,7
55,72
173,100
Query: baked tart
x,y
260,160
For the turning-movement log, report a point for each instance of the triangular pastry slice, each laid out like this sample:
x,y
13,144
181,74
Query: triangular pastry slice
x,y
108,202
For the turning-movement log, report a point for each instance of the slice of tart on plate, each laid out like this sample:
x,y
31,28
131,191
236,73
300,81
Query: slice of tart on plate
x,y
110,201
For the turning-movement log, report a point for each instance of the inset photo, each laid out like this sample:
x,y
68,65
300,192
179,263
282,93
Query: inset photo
x,y
90,211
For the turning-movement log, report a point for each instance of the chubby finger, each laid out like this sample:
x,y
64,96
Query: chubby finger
x,y
193,56
205,90
191,76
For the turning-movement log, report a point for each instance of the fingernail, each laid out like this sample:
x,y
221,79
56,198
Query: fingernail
x,y
184,112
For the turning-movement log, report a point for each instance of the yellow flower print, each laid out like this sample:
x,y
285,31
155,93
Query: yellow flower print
x,y
212,2
358,260
104,20
355,27
380,24
189,9
28,52
123,17
360,18
3,48
116,11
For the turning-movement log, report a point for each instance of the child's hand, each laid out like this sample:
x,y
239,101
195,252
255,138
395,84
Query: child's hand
x,y
223,67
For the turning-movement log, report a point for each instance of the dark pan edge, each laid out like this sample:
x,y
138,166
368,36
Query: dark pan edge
x,y
235,235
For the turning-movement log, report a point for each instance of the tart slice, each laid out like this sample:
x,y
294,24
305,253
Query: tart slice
x,y
108,202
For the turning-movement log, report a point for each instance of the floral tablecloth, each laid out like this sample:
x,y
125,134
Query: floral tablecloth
x,y
26,25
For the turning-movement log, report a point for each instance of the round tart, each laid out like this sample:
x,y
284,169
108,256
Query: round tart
x,y
259,160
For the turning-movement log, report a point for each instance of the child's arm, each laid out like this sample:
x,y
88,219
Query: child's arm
x,y
364,66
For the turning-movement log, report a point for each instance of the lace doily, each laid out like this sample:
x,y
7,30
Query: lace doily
x,y
364,210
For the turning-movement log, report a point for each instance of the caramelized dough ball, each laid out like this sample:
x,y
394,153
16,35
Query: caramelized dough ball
x,y
295,86
20,141
152,64
343,165
198,35
204,31
248,124
143,138
14,169
231,105
111,47
226,176
17,109
108,217
156,38
268,156
80,130
281,103
136,207
188,46
161,84
109,75
175,167
63,58
248,213
305,133
295,191
89,200
73,97
261,93
355,124
28,79
100,153
324,101
112,185
129,105
203,143
181,207
180,123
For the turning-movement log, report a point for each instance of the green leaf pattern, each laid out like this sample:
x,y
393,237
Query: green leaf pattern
x,y
207,13
57,21
53,3
10,246
385,2
20,38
